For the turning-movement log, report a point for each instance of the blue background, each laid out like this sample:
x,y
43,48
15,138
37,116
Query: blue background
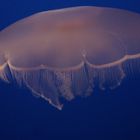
x,y
106,115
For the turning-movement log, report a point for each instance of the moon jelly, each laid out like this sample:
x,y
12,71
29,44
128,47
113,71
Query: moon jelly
x,y
67,52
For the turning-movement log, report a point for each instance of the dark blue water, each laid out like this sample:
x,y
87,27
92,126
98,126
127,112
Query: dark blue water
x,y
106,115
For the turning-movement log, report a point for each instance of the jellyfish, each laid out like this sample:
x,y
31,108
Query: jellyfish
x,y
65,53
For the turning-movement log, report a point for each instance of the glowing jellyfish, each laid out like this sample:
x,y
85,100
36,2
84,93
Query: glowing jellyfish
x,y
63,53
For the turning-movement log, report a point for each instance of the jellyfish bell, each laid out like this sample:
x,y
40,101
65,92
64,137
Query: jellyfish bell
x,y
63,53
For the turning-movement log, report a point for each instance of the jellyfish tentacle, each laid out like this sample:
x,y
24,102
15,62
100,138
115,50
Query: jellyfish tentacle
x,y
3,75
111,74
4,68
51,84
41,82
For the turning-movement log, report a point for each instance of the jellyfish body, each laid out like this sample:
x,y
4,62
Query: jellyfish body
x,y
66,52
